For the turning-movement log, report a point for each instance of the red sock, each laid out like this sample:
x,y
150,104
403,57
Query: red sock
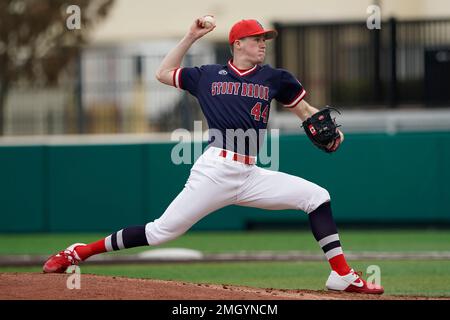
x,y
90,249
339,264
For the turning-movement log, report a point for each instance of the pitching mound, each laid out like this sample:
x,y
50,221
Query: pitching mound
x,y
37,286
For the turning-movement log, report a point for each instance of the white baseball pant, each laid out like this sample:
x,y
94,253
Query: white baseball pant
x,y
216,182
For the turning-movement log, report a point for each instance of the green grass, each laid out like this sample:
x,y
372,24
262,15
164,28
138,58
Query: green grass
x,y
424,278
372,240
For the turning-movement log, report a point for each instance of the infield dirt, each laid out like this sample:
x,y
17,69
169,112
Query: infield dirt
x,y
37,286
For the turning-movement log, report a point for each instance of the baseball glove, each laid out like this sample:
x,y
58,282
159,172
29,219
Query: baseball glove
x,y
322,130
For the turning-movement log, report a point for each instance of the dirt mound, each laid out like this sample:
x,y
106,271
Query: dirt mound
x,y
37,286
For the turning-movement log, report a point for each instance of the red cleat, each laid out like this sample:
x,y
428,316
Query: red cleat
x,y
352,282
59,263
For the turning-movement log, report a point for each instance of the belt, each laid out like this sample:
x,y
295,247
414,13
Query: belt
x,y
237,157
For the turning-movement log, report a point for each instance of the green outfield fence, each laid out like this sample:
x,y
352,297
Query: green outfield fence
x,y
374,178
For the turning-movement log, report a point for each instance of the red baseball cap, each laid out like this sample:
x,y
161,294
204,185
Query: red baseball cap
x,y
248,28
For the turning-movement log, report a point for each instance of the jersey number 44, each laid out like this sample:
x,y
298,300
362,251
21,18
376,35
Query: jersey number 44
x,y
257,114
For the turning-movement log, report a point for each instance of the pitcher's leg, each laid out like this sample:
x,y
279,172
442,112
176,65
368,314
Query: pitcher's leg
x,y
188,207
211,186
207,190
130,237
199,197
277,191
274,190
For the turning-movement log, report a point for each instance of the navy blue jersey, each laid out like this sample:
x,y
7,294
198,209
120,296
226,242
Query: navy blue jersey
x,y
236,103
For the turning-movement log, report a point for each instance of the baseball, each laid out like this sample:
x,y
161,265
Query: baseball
x,y
208,21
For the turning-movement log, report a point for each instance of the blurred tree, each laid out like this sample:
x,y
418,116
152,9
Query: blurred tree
x,y
38,38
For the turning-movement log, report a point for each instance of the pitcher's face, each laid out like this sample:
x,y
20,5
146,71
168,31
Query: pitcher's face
x,y
253,49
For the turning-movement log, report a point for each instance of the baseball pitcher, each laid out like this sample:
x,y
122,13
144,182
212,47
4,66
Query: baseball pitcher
x,y
235,98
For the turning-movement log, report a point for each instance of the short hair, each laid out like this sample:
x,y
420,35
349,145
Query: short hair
x,y
232,46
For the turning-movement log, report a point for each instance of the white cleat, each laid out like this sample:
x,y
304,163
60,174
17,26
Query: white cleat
x,y
351,282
